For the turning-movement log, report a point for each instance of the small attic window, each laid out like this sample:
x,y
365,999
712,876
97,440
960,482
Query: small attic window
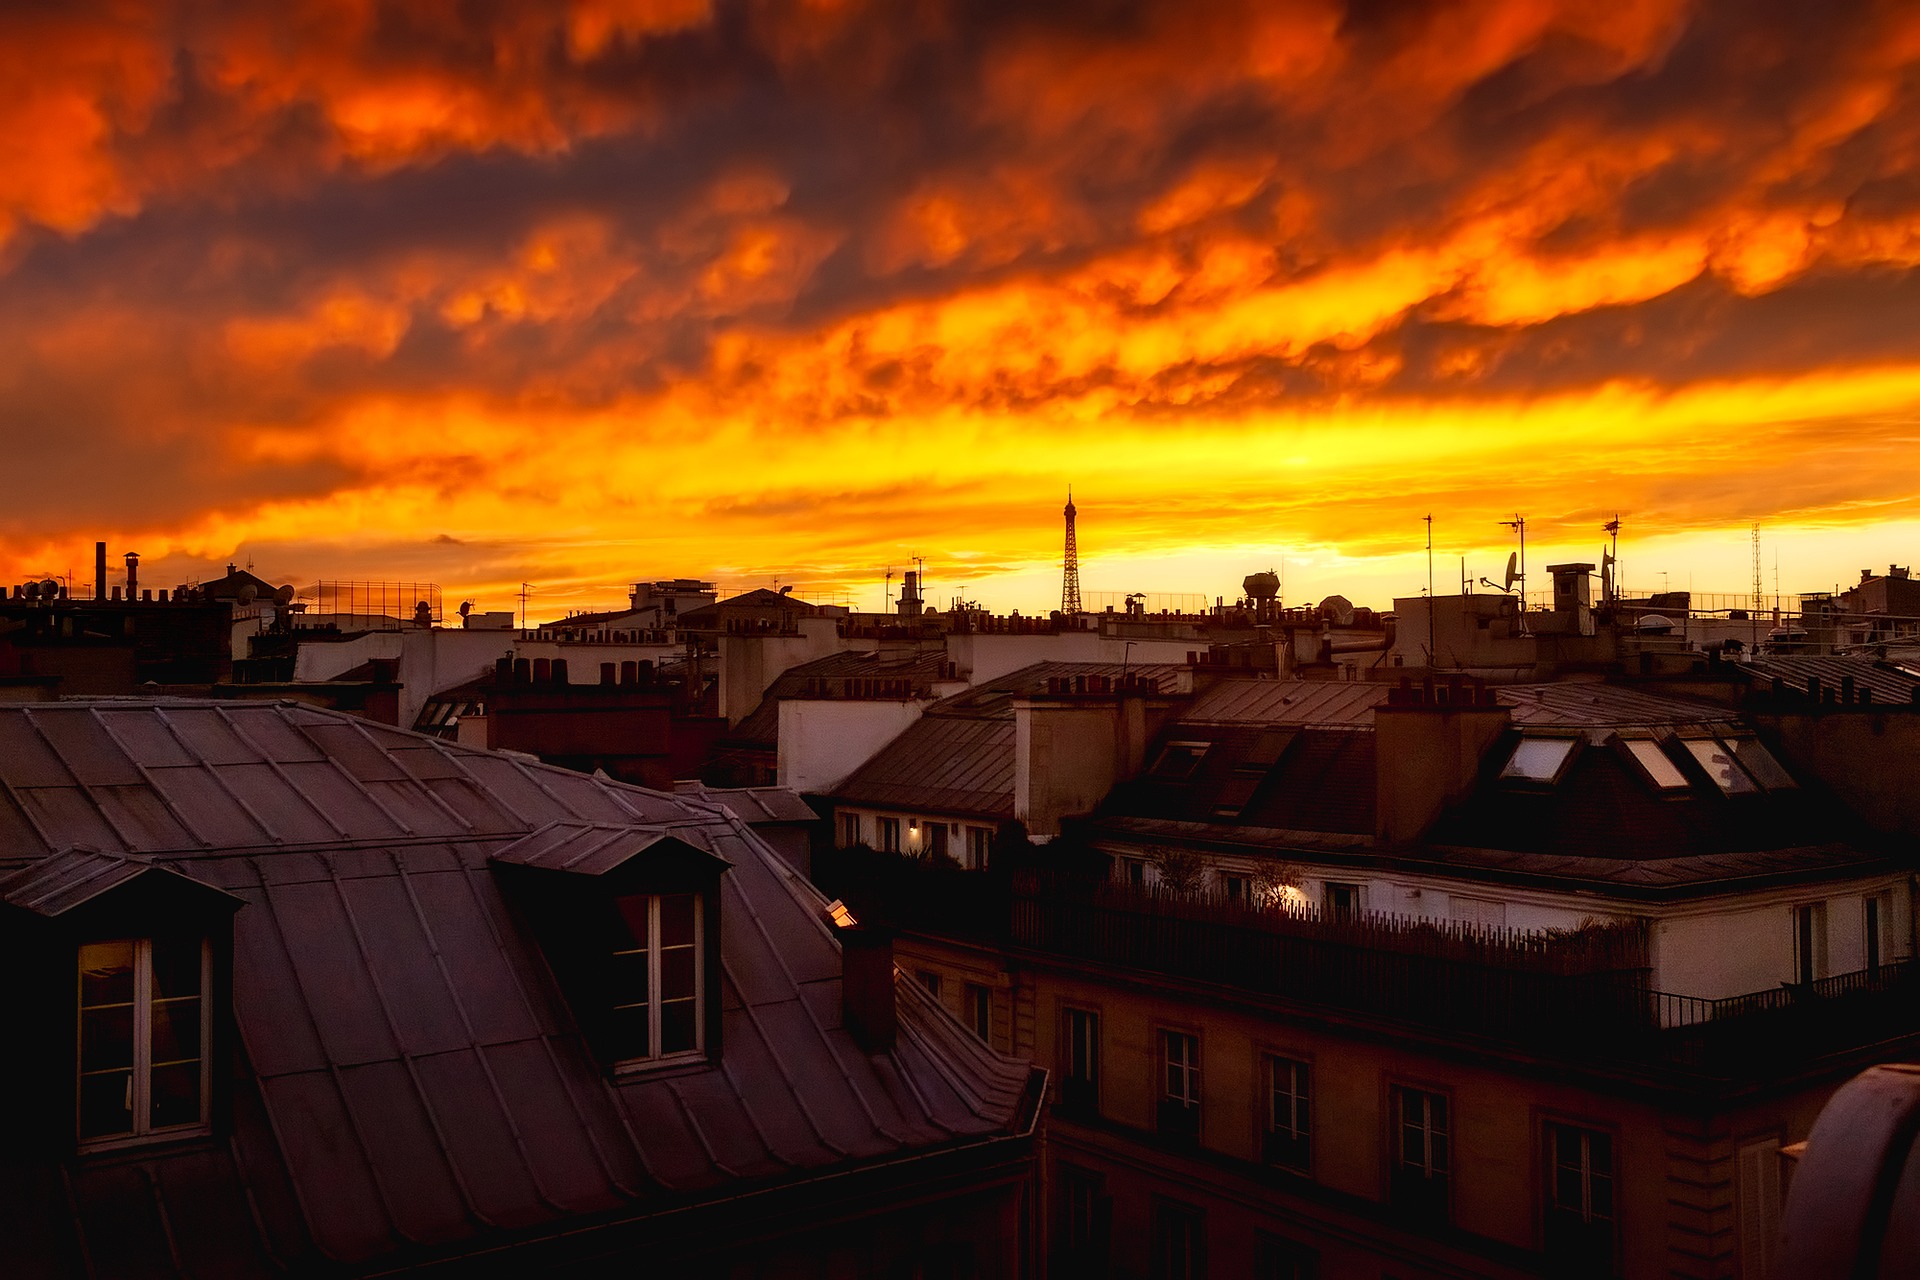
x,y
1759,762
145,1040
1540,760
1717,759
655,978
1657,765
1178,761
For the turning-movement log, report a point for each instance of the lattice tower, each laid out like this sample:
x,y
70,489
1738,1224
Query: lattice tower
x,y
1070,578
1757,589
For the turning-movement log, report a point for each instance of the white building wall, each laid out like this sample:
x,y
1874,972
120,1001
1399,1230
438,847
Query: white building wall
x,y
822,741
750,663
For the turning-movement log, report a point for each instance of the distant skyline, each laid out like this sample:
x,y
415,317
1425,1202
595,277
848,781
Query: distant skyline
x,y
582,293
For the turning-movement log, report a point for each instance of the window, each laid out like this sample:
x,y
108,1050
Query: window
x,y
1538,760
1873,951
145,1038
1178,760
1579,1226
1179,1111
979,840
888,831
1275,1258
1289,1115
936,838
1086,1222
1421,1156
1080,1074
1659,767
929,981
849,830
980,1011
1720,766
1236,887
1136,873
1480,911
656,963
1342,899
1759,762
1179,1241
1809,941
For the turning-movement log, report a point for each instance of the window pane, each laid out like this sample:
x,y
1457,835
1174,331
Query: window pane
x,y
677,1026
1538,759
1602,1197
106,974
676,919
1439,1145
627,977
176,967
633,915
676,972
1718,762
1566,1187
1664,773
627,1032
106,1104
1760,763
106,1038
176,1031
175,1094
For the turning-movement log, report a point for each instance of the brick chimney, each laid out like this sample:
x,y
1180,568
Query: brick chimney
x,y
1073,744
1429,740
866,987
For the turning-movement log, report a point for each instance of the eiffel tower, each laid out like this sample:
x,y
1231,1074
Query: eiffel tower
x,y
1070,581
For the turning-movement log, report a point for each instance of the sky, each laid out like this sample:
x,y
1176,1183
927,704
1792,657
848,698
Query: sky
x,y
576,294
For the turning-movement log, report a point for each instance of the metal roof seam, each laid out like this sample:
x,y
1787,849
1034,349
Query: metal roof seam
x,y
165,1219
219,781
432,795
413,1071
699,1134
780,1064
280,772
746,1109
333,1071
340,768
466,1023
39,730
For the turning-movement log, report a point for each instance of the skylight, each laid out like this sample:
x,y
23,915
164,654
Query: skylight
x,y
1719,763
1538,760
1179,760
1759,762
1657,764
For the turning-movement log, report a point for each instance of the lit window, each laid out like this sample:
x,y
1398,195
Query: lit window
x,y
1759,762
1288,1112
1656,764
1178,760
1579,1227
1179,1110
1422,1156
1538,760
1720,766
657,1009
145,1038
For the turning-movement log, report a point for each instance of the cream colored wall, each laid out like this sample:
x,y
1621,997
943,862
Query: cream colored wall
x,y
822,741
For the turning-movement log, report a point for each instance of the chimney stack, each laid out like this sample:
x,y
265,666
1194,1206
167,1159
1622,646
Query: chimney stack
x,y
868,1005
99,571
133,572
1429,740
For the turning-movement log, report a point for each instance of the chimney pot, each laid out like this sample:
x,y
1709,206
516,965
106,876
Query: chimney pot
x,y
503,671
868,1003
560,671
609,672
522,671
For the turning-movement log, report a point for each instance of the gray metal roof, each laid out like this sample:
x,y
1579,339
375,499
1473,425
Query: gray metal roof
x,y
755,806
1350,704
416,1084
58,883
945,764
1888,680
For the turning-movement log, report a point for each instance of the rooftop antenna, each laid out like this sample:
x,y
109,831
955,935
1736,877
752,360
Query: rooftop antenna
x,y
1070,573
1519,525
1610,582
526,589
886,597
1759,590
1429,519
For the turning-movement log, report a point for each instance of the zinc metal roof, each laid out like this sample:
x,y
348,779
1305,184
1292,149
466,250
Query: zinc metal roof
x,y
416,1085
761,726
755,806
1332,704
950,764
1888,680
58,883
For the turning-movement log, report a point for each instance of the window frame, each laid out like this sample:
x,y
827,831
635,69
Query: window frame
x,y
1876,912
140,1082
1178,1113
1192,1220
1080,1059
1428,1197
1277,1142
886,834
655,1059
979,847
1581,1242
977,1000
849,829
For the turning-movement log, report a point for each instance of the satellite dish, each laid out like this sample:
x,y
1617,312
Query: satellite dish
x,y
248,593
284,595
1513,571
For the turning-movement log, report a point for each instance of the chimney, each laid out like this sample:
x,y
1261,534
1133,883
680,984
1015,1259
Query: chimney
x,y
133,572
99,571
868,1007
559,671
1427,753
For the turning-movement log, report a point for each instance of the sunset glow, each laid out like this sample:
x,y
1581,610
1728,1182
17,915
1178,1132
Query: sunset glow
x,y
797,289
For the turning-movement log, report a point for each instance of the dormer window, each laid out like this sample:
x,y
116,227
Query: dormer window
x,y
657,976
629,921
1657,765
1720,765
145,1040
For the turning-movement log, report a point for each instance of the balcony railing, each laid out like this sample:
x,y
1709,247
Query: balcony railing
x,y
1586,993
